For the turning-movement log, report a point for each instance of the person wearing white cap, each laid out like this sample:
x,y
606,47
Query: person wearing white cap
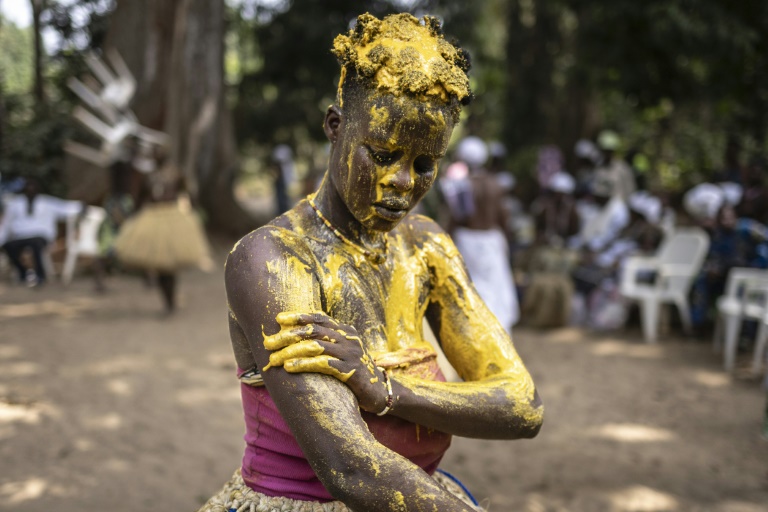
x,y
482,236
613,169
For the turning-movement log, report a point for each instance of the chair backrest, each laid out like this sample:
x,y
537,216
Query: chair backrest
x,y
685,246
84,237
745,282
683,253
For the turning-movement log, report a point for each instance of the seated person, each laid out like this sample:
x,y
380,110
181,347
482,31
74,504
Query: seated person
x,y
30,222
642,235
344,403
548,295
555,211
605,225
734,242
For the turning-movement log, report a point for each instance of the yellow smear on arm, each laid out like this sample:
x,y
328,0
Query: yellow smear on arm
x,y
473,340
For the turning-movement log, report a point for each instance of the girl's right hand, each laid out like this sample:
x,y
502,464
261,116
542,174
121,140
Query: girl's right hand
x,y
316,343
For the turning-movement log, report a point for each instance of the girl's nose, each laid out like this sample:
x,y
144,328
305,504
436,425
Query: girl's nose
x,y
402,179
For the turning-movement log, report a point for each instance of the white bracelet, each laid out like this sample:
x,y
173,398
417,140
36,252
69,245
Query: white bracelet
x,y
390,395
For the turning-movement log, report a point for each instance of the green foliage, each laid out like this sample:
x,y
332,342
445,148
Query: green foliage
x,y
33,133
675,77
16,57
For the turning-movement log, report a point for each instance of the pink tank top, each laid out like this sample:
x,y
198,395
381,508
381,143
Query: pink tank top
x,y
274,464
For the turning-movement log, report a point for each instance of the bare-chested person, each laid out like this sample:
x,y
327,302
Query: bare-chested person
x,y
483,237
345,406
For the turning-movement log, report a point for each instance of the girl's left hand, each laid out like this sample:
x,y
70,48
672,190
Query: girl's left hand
x,y
316,343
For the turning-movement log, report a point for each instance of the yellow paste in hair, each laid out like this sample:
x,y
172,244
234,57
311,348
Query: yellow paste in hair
x,y
403,56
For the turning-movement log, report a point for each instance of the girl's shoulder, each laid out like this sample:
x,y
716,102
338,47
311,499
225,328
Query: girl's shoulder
x,y
426,235
286,234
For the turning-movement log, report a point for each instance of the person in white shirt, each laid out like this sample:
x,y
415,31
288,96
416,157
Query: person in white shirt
x,y
30,223
605,224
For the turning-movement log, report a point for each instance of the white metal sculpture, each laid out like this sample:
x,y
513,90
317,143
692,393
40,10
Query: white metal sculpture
x,y
108,116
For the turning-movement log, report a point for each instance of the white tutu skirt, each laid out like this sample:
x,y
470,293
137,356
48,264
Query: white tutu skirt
x,y
165,237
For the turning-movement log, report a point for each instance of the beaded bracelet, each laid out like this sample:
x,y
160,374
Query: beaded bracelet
x,y
390,395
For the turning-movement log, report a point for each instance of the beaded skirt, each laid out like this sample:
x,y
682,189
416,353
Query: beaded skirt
x,y
236,496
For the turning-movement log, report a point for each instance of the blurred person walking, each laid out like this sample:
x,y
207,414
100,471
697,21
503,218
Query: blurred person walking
x,y
165,235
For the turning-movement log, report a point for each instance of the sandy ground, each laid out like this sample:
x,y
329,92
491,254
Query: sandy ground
x,y
106,406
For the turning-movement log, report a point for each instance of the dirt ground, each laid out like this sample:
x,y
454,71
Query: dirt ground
x,y
104,405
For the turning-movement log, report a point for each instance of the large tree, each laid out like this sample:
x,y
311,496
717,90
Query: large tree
x,y
175,49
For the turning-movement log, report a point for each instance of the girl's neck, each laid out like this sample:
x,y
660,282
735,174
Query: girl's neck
x,y
328,200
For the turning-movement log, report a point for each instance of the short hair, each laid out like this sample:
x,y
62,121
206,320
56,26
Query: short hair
x,y
402,55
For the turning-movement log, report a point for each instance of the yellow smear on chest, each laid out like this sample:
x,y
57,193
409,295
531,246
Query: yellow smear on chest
x,y
403,313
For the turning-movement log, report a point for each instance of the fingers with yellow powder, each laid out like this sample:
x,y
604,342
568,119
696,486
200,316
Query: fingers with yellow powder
x,y
317,343
302,349
291,318
318,364
287,337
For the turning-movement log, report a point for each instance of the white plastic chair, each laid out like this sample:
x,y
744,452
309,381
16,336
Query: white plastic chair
x,y
82,239
675,265
746,298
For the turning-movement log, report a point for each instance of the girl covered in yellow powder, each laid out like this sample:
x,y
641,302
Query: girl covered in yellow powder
x,y
345,406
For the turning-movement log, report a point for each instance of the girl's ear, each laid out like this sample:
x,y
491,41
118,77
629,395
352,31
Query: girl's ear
x,y
332,122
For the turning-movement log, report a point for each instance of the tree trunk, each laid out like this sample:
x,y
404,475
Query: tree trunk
x,y
533,30
175,49
39,91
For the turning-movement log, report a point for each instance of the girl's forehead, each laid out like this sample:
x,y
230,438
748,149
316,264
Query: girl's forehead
x,y
390,116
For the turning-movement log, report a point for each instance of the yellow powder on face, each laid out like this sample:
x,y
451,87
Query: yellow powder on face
x,y
402,56
341,81
379,119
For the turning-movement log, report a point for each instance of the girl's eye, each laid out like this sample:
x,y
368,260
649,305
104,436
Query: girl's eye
x,y
382,157
424,165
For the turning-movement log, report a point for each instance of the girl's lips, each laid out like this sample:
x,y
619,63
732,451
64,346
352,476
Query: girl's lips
x,y
390,212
